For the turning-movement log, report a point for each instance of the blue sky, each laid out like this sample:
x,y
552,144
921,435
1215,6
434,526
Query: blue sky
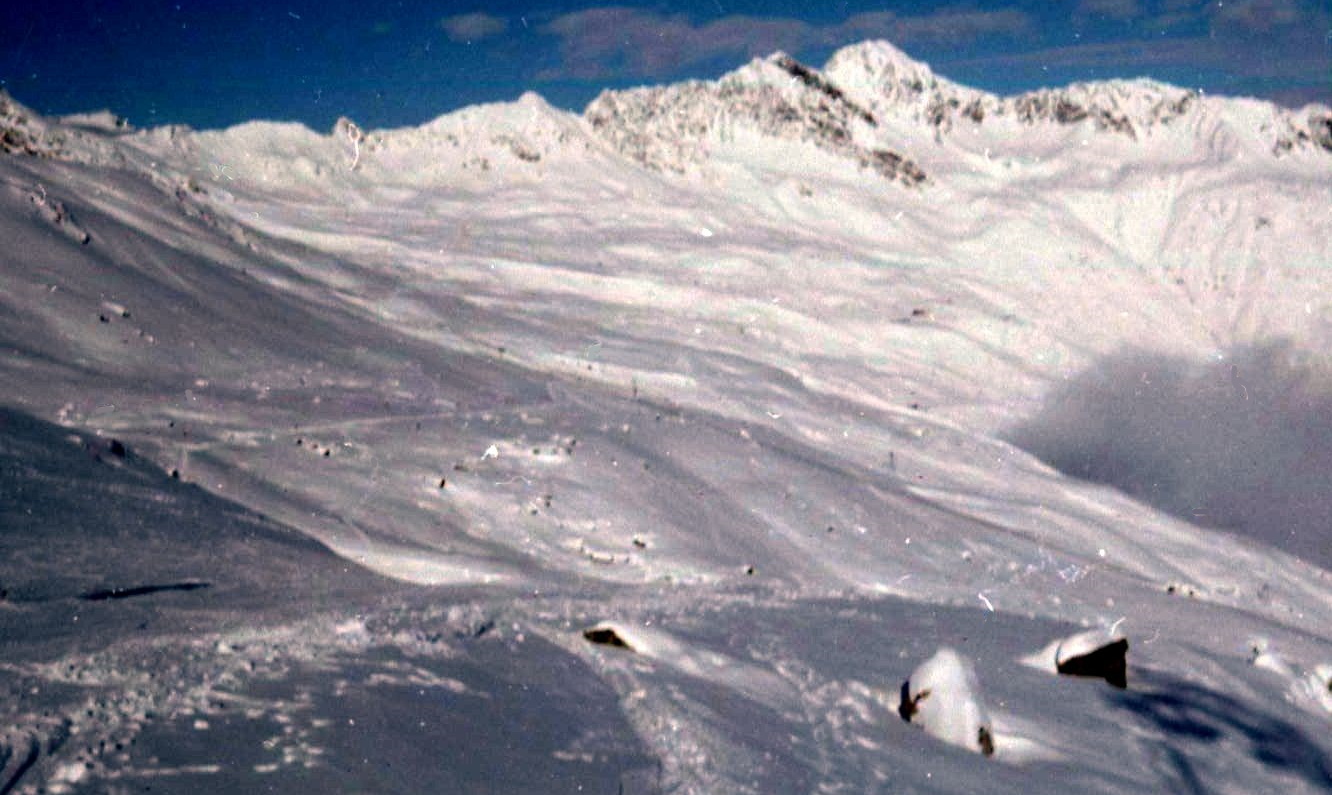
x,y
210,64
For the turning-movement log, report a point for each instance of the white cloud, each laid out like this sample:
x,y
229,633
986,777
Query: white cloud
x,y
631,42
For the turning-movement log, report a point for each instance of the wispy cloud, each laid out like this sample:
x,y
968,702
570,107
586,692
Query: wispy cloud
x,y
1108,9
1228,65
1120,55
1236,17
1262,16
956,26
1274,48
473,27
631,42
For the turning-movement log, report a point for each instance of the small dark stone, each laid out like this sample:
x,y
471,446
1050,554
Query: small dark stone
x,y
104,318
605,636
117,449
906,706
140,590
986,741
443,482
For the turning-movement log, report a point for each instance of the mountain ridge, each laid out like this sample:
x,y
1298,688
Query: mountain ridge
x,y
871,104
870,90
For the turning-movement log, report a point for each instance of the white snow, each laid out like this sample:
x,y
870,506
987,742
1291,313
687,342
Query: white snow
x,y
701,375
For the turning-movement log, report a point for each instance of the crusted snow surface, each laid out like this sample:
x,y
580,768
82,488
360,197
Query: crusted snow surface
x,y
322,450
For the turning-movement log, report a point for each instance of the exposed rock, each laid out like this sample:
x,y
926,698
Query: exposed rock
x,y
606,636
1108,662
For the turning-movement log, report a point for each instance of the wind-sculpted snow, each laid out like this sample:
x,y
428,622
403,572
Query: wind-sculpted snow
x,y
437,413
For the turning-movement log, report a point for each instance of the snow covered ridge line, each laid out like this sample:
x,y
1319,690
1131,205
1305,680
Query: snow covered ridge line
x,y
871,97
668,128
871,105
80,138
889,82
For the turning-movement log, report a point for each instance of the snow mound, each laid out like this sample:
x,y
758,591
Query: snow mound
x,y
943,697
103,121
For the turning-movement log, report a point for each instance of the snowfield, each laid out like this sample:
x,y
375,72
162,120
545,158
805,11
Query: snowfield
x,y
654,449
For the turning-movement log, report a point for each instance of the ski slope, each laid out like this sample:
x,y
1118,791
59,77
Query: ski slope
x,y
701,379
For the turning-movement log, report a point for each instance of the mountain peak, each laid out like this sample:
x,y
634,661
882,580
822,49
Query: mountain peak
x,y
877,68
674,127
877,56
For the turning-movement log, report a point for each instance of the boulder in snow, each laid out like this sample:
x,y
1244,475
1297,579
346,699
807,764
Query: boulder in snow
x,y
606,635
1095,654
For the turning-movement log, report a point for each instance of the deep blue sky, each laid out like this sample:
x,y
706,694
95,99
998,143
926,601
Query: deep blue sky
x,y
389,63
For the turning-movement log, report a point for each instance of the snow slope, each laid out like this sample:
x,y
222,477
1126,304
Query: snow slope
x,y
731,368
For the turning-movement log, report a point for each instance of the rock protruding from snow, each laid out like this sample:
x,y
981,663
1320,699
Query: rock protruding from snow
x,y
24,132
671,128
1310,127
1126,107
606,635
943,697
1094,654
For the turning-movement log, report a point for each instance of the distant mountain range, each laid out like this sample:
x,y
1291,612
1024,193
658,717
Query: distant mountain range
x,y
871,104
870,94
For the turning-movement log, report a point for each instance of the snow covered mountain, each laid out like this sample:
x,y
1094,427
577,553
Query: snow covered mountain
x,y
653,449
871,96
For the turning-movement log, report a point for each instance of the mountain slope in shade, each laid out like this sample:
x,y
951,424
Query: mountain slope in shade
x,y
702,366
